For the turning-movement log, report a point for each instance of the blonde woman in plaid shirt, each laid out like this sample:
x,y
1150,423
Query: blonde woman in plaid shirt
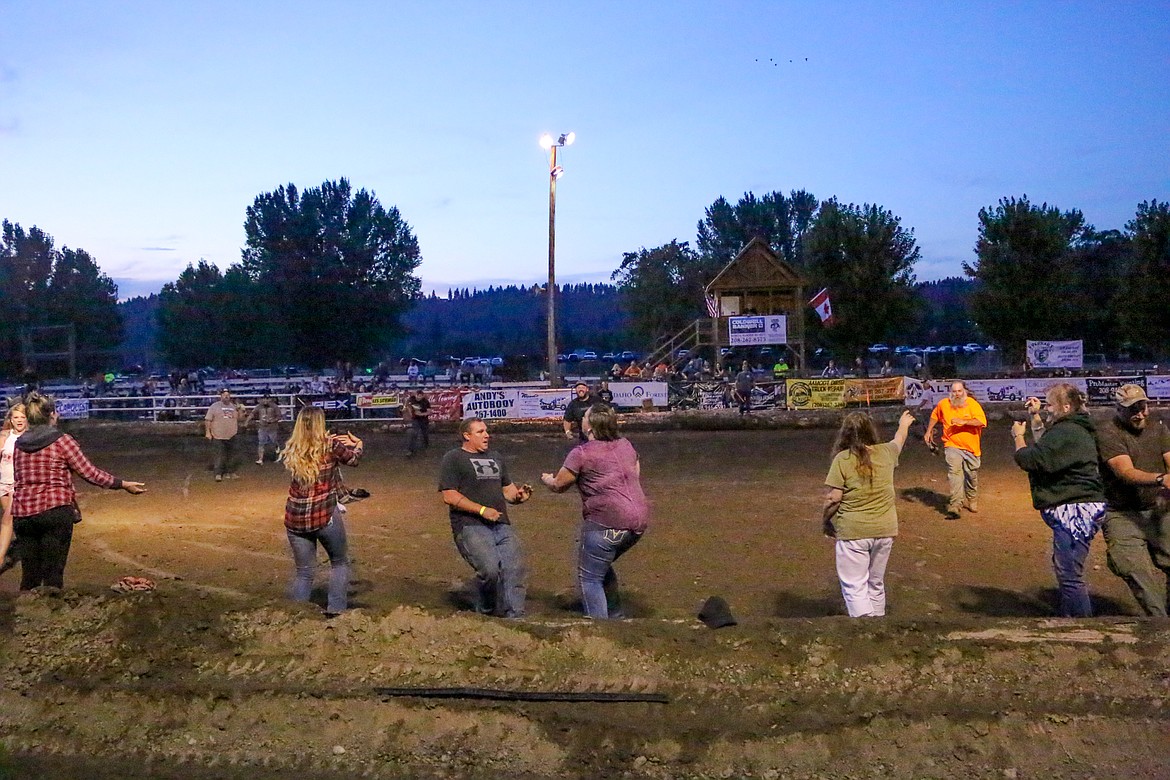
x,y
313,457
44,502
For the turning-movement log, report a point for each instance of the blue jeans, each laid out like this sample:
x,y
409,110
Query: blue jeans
x,y
493,550
600,547
304,551
1068,562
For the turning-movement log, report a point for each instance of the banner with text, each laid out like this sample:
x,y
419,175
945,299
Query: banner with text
x,y
73,408
757,329
515,404
635,394
815,393
873,391
1056,354
378,400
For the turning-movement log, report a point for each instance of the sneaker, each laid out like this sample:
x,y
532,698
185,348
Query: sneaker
x,y
260,462
971,506
219,477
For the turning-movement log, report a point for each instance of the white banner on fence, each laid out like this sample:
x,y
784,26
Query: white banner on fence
x,y
930,392
1056,354
515,404
636,393
759,329
1158,387
73,408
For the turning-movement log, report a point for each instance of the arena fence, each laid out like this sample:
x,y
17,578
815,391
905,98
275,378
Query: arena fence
x,y
540,402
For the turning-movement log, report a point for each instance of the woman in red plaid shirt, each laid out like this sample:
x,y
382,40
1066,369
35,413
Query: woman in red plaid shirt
x,y
44,502
312,514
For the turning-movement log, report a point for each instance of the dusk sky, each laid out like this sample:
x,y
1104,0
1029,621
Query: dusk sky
x,y
141,132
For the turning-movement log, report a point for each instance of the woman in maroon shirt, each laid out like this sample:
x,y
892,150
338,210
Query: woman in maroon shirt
x,y
614,512
44,502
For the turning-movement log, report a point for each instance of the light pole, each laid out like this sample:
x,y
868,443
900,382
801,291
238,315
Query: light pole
x,y
554,172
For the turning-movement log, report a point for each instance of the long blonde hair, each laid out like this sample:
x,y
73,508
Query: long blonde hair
x,y
305,451
15,408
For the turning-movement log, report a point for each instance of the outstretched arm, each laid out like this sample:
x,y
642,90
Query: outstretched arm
x,y
559,482
904,423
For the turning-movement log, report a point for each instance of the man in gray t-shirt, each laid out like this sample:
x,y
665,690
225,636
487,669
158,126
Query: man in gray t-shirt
x,y
476,488
1135,456
220,426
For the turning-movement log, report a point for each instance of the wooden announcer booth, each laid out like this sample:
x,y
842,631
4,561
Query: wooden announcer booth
x,y
759,283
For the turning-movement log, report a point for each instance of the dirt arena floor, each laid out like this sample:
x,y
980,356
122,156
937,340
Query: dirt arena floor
x,y
216,674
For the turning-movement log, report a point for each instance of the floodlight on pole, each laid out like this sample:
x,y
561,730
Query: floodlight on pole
x,y
554,172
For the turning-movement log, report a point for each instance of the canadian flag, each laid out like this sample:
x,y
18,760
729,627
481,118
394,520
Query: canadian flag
x,y
824,309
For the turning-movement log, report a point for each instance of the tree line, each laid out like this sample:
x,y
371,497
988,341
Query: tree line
x,y
328,274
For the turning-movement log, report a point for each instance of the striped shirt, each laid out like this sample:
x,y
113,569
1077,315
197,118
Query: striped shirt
x,y
44,479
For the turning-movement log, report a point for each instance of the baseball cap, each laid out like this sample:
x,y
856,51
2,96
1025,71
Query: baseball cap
x,y
581,384
1128,395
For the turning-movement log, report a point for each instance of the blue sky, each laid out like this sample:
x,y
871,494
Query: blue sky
x,y
142,131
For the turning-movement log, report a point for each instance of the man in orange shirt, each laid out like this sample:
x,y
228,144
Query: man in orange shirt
x,y
962,421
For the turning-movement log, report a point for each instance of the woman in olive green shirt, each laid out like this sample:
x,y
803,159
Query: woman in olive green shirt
x,y
859,510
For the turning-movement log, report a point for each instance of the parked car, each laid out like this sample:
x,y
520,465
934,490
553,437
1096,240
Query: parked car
x,y
573,357
972,347
497,361
877,349
628,355
608,356
590,355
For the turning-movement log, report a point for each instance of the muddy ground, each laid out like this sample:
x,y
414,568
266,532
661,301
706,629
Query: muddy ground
x,y
216,675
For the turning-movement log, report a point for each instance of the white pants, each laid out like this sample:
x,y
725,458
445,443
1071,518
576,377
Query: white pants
x,y
861,567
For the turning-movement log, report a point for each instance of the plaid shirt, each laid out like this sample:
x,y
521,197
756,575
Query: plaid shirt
x,y
310,507
44,479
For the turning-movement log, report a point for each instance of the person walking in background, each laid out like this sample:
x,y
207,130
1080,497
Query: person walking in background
x,y
220,426
267,414
859,510
962,420
745,380
1066,487
1135,457
476,488
614,512
44,502
312,513
420,422
15,423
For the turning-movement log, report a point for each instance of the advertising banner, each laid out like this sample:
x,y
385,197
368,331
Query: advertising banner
x,y
1101,388
378,400
337,406
634,394
1158,387
872,391
516,404
1056,354
1038,388
758,329
816,393
533,404
446,404
73,408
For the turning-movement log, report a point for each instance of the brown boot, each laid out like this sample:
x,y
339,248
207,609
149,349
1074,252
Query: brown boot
x,y
971,505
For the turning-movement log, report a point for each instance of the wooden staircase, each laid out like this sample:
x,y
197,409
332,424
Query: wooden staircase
x,y
700,333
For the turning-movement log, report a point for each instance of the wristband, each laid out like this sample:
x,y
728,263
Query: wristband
x,y
482,509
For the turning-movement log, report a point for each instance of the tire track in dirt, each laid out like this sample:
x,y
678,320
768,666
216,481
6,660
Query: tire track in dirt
x,y
104,550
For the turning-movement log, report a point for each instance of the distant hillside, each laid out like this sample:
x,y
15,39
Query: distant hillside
x,y
499,320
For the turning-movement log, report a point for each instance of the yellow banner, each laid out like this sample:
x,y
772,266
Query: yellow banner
x,y
378,400
816,393
872,391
